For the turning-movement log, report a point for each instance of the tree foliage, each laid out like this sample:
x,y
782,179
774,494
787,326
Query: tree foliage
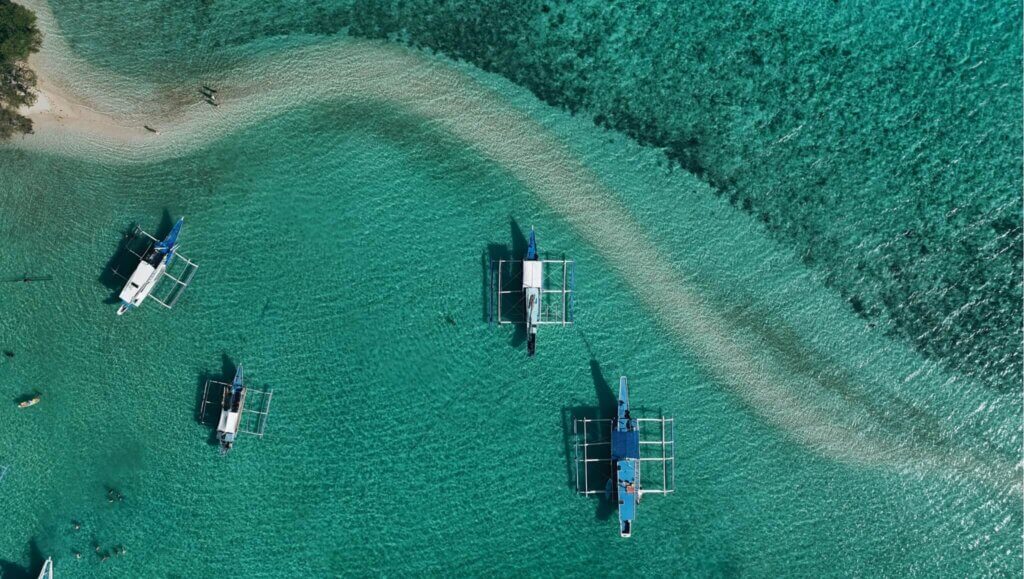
x,y
19,38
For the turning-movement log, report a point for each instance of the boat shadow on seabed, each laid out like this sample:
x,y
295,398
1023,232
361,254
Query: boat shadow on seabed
x,y
501,251
11,570
605,408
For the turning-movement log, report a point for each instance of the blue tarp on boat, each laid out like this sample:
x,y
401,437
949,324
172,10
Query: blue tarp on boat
x,y
166,247
625,444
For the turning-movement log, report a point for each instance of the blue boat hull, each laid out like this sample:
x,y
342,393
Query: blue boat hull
x,y
626,459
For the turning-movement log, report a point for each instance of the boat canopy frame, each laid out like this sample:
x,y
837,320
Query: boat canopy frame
x,y
505,279
592,447
252,422
139,243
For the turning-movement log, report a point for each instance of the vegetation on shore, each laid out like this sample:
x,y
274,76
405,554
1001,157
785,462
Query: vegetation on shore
x,y
19,38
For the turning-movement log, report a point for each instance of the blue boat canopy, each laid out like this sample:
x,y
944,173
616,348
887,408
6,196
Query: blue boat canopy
x,y
625,444
166,247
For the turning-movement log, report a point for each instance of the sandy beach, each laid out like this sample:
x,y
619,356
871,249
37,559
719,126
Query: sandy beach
x,y
56,110
59,110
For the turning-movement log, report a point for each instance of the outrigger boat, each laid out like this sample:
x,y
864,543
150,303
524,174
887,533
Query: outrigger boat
x,y
31,402
533,279
154,263
231,412
543,297
626,461
235,419
616,442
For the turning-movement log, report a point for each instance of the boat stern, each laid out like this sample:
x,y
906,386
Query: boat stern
x,y
227,441
232,406
625,529
628,495
139,286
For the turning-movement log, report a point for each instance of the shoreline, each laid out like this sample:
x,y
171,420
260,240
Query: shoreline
x,y
55,110
60,108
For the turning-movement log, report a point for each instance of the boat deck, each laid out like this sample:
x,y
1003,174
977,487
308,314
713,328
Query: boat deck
x,y
179,271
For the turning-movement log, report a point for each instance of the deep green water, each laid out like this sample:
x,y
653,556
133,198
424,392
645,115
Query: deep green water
x,y
403,443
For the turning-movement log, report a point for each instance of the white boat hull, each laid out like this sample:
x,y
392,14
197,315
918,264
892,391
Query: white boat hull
x,y
140,285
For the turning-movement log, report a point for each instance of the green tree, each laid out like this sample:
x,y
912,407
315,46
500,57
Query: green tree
x,y
19,38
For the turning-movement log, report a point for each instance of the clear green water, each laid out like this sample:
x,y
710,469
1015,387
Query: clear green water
x,y
401,443
880,141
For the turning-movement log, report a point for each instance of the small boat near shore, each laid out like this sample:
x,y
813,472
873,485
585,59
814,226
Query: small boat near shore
x,y
30,402
154,263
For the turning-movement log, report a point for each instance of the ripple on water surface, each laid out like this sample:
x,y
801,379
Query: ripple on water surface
x,y
339,241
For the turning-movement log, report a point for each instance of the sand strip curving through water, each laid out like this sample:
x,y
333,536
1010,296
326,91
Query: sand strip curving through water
x,y
81,114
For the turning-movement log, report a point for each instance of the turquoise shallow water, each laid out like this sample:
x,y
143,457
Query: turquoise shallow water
x,y
879,140
858,456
